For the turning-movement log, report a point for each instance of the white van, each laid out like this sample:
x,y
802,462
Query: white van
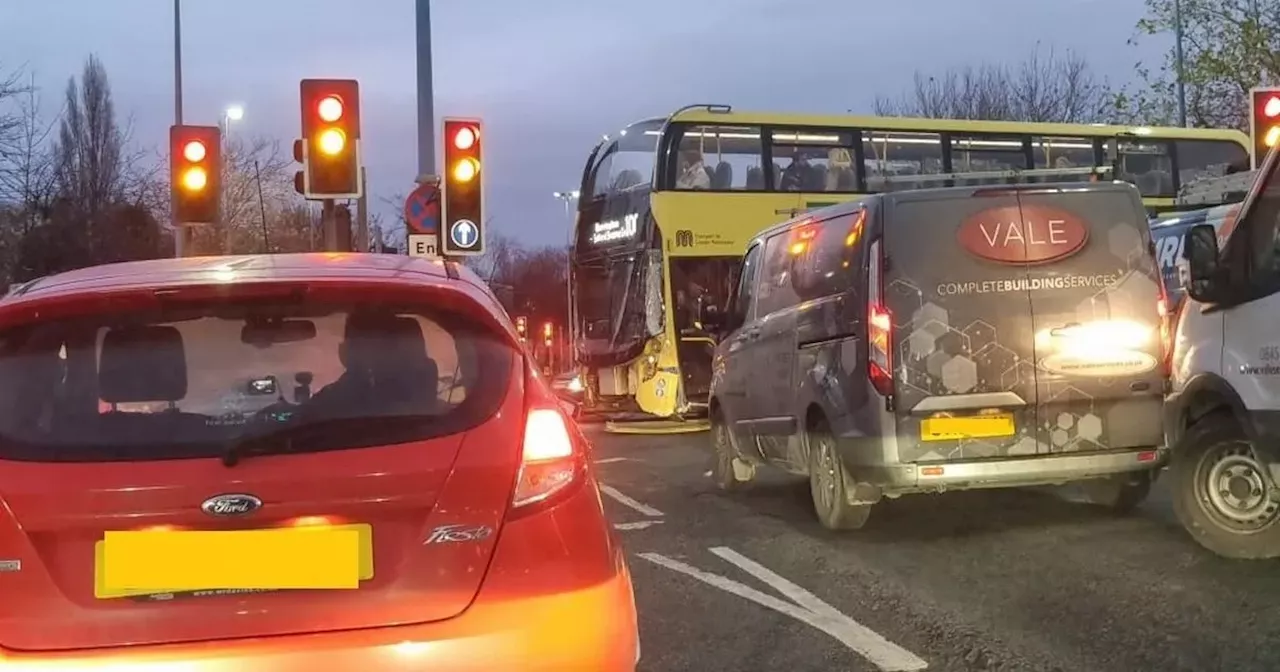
x,y
1223,414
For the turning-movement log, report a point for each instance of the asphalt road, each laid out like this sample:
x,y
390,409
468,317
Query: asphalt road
x,y
999,580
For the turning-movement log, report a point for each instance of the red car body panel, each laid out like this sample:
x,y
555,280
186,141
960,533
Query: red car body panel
x,y
549,581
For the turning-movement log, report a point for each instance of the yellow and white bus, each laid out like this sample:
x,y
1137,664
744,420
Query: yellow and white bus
x,y
668,205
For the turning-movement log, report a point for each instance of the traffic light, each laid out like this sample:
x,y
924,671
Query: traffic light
x,y
330,147
1264,121
546,334
195,173
522,326
463,190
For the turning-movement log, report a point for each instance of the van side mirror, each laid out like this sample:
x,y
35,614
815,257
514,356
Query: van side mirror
x,y
1200,249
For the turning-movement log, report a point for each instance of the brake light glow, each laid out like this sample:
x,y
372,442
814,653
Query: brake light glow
x,y
549,460
1168,318
879,327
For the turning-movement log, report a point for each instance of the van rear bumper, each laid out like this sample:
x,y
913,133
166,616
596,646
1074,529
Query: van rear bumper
x,y
1008,472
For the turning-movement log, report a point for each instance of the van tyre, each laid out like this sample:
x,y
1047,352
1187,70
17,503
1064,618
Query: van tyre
x,y
1122,493
1220,493
828,484
723,456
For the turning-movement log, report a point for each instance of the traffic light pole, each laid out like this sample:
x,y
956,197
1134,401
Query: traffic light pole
x,y
328,225
180,237
362,216
426,101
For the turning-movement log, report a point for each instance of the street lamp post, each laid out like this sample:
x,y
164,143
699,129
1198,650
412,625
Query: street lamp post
x,y
569,197
179,231
1178,62
233,113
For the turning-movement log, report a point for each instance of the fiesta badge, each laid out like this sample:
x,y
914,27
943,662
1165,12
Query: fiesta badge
x,y
231,505
1031,234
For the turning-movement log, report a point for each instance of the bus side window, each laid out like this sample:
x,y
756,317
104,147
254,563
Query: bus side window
x,y
1145,163
1063,154
814,160
899,160
986,154
719,158
1198,159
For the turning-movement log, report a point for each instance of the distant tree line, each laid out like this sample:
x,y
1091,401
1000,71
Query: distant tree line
x,y
1229,46
75,191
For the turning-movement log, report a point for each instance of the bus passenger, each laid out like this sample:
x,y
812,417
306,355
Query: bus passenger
x,y
840,176
693,172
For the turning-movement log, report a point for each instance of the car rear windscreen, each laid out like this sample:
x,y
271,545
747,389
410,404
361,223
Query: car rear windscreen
x,y
192,381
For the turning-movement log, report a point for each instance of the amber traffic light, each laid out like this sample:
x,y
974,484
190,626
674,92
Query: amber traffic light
x,y
330,146
463,187
195,173
1264,121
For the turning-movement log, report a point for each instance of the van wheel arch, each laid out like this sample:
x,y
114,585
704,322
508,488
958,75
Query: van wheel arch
x,y
1208,396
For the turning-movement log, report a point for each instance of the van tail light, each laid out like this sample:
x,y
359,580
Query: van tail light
x,y
551,451
879,326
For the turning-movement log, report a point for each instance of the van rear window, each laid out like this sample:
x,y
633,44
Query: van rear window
x,y
195,380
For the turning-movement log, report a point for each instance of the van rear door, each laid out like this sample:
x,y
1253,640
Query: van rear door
x,y
1095,304
956,285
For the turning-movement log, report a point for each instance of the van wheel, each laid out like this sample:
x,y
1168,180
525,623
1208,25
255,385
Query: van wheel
x,y
827,484
1122,493
1221,493
725,455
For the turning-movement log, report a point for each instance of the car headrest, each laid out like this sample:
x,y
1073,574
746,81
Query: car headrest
x,y
142,364
386,336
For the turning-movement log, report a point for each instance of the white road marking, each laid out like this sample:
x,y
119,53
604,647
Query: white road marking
x,y
611,460
638,525
807,609
627,501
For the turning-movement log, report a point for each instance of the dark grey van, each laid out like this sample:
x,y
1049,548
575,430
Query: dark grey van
x,y
940,339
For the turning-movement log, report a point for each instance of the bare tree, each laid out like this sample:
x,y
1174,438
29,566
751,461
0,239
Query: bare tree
x,y
10,120
256,182
90,160
1045,86
501,254
27,176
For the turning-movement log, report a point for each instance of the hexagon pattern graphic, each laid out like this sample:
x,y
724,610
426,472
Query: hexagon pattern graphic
x,y
941,357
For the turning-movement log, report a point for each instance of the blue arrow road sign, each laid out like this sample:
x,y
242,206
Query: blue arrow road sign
x,y
464,233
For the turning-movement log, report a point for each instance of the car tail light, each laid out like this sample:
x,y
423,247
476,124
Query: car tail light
x,y
551,456
879,326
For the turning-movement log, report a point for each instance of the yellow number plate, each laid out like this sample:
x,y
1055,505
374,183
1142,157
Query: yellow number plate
x,y
278,559
971,427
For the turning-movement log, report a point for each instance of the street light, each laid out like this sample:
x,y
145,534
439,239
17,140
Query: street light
x,y
231,114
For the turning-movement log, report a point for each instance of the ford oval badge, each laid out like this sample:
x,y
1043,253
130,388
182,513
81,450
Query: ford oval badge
x,y
231,505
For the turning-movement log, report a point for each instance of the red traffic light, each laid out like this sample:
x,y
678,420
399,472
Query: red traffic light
x,y
194,165
1271,108
329,108
194,151
466,137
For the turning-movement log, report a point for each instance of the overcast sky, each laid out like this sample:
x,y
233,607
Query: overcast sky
x,y
548,76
